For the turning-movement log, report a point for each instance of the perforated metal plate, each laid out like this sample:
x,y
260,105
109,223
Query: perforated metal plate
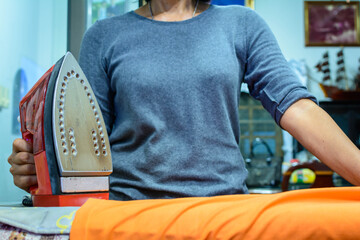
x,y
81,141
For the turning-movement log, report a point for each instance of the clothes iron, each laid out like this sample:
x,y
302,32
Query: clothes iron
x,y
61,118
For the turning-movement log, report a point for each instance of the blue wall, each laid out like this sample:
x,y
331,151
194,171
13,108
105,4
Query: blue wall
x,y
33,36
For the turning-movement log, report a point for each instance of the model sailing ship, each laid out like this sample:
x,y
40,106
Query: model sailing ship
x,y
342,88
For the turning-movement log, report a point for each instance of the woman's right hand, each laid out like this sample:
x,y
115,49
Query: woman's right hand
x,y
22,164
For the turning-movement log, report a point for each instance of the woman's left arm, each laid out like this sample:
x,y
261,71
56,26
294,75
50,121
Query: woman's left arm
x,y
320,135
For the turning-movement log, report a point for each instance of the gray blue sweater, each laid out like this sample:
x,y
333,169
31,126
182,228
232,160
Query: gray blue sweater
x,y
169,93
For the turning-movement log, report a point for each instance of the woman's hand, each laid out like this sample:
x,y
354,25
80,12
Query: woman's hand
x,y
22,165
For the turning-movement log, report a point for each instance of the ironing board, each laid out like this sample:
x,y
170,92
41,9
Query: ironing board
x,y
326,213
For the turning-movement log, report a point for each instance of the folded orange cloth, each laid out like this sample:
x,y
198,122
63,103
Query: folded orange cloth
x,y
323,213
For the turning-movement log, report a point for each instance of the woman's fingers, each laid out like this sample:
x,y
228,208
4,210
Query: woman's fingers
x,y
20,145
21,158
22,164
25,169
25,181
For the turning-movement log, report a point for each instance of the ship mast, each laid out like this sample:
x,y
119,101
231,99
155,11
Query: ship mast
x,y
341,72
323,66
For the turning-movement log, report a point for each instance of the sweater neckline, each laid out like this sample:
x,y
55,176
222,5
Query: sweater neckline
x,y
195,18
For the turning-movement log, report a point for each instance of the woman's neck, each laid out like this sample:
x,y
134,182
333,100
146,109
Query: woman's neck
x,y
172,6
171,10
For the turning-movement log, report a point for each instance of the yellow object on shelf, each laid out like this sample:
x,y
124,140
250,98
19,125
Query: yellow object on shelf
x,y
302,176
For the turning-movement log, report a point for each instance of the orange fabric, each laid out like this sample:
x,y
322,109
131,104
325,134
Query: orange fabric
x,y
324,213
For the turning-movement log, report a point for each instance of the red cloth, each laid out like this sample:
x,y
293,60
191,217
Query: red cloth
x,y
324,213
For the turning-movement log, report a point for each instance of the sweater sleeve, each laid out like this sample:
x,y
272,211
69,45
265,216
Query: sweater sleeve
x,y
268,75
94,67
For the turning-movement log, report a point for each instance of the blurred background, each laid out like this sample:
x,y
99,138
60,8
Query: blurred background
x,y
36,33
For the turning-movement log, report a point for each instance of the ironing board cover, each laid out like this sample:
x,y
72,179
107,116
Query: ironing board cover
x,y
326,213
33,222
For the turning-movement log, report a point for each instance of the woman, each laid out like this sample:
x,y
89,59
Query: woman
x,y
167,78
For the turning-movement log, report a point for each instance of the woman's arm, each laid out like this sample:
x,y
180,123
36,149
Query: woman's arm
x,y
319,134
